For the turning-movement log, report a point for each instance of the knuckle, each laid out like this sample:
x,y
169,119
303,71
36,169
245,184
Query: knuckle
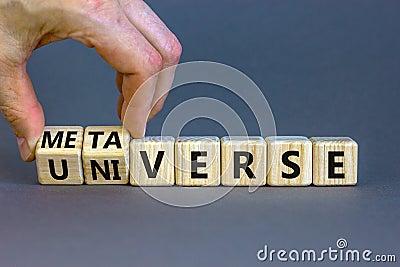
x,y
95,5
98,13
154,62
173,50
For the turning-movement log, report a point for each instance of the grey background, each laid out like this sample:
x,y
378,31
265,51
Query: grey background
x,y
326,68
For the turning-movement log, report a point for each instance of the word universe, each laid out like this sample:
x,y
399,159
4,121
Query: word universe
x,y
108,155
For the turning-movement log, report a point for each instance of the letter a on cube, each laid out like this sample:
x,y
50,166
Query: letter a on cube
x,y
106,155
58,155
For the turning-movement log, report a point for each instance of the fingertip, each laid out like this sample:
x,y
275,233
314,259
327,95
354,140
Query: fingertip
x,y
26,150
136,125
136,130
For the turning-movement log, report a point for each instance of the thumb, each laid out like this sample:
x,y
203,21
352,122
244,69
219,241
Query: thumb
x,y
21,109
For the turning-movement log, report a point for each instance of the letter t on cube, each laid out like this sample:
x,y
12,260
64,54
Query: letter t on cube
x,y
105,155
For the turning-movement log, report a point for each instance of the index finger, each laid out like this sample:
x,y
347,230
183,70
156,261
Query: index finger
x,y
131,54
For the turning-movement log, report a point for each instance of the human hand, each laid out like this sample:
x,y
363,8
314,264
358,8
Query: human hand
x,y
127,34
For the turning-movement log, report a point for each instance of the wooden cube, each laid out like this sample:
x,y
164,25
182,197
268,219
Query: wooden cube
x,y
152,161
243,161
197,161
289,161
58,155
105,155
334,161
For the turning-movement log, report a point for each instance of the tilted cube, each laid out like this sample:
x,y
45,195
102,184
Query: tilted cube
x,y
58,155
105,155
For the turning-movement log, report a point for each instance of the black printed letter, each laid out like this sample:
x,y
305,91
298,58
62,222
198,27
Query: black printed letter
x,y
106,172
53,173
70,138
47,136
245,166
332,164
195,164
95,138
116,142
290,164
152,173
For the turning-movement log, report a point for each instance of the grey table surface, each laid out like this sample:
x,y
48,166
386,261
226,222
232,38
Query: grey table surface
x,y
326,68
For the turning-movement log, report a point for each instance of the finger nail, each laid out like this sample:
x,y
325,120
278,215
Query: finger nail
x,y
24,149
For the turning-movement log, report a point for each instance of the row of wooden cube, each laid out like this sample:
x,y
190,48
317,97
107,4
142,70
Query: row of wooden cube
x,y
108,155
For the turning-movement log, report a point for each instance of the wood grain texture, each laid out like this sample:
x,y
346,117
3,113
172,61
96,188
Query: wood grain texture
x,y
105,155
347,162
62,147
296,149
236,150
144,153
184,148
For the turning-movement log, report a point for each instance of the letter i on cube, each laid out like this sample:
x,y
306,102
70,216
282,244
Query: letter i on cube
x,y
105,155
